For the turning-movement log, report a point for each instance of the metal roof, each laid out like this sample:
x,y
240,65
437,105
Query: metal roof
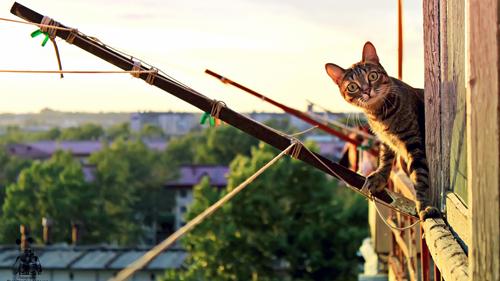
x,y
59,258
8,257
126,258
45,148
92,257
190,175
168,260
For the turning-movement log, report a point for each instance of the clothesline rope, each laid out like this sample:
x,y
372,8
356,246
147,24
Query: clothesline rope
x,y
36,24
386,222
154,252
120,55
75,71
128,59
74,33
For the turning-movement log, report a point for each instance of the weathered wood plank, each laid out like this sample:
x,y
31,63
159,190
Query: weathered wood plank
x,y
443,102
432,97
483,105
380,233
446,252
403,184
405,248
457,216
453,108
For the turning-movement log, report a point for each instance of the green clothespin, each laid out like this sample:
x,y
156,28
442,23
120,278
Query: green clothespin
x,y
204,118
38,32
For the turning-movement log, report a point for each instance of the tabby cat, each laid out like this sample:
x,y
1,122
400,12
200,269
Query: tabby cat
x,y
395,112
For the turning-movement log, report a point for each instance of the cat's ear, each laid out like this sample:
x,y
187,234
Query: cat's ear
x,y
369,53
335,72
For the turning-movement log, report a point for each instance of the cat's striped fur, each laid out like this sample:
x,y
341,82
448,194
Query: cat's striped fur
x,y
395,112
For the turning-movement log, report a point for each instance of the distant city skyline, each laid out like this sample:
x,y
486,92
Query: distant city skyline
x,y
278,48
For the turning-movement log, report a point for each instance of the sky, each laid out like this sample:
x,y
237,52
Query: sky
x,y
276,47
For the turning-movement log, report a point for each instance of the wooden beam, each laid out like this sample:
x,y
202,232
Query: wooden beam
x,y
405,249
251,127
432,100
299,114
396,267
483,129
403,184
446,252
457,216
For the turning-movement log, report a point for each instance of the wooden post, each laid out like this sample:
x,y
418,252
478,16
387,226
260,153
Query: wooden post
x,y
483,129
432,97
251,127
25,244
47,230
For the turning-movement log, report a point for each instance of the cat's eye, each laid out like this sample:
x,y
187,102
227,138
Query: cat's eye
x,y
373,76
352,87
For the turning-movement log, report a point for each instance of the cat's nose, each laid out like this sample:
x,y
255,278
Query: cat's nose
x,y
371,93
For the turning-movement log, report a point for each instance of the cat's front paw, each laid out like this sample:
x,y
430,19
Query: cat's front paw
x,y
375,182
429,212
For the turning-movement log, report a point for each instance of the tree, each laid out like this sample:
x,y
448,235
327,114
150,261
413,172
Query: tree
x,y
131,178
10,167
282,124
54,189
288,224
217,145
223,144
52,134
121,130
150,131
87,131
13,134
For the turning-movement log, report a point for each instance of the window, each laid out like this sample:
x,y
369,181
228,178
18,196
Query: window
x,y
183,193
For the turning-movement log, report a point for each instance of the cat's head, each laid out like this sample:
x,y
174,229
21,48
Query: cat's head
x,y
365,84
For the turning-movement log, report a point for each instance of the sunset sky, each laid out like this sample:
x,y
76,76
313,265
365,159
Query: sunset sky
x,y
278,48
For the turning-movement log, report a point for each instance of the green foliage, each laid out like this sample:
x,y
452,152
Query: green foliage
x,y
52,134
289,224
217,145
87,131
150,131
54,189
126,195
10,167
117,131
130,179
184,150
14,134
282,124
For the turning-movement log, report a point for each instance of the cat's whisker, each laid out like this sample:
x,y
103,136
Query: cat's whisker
x,y
348,118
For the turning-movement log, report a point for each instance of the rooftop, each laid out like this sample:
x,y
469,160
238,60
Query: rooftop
x,y
190,175
44,149
92,257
